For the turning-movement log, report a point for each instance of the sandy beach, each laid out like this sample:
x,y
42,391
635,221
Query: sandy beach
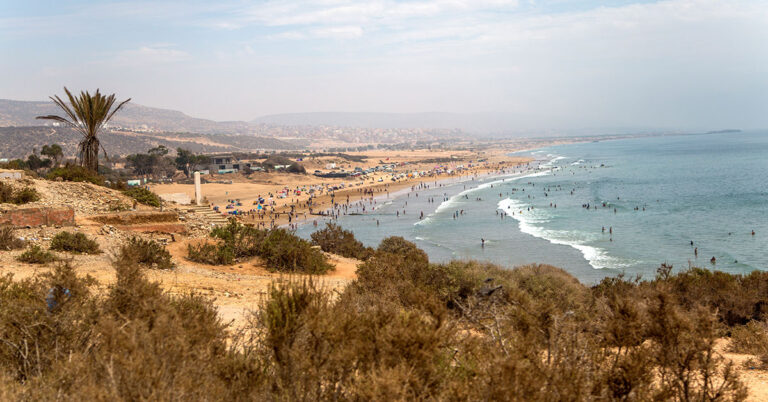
x,y
293,203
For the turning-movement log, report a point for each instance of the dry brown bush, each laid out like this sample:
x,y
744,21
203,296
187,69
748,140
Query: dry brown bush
x,y
406,329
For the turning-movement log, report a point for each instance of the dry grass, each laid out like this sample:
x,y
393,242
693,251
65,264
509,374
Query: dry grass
x,y
9,240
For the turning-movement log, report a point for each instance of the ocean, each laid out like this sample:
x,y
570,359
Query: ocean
x,y
596,209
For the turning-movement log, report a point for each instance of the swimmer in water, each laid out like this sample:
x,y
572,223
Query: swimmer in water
x,y
713,260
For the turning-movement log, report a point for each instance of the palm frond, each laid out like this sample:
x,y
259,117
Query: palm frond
x,y
87,114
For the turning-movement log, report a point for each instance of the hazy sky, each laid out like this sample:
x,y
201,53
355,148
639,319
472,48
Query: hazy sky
x,y
561,63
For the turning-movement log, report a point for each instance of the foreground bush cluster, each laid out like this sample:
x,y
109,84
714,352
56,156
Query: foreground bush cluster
x,y
405,329
77,243
334,239
144,196
280,249
147,253
23,195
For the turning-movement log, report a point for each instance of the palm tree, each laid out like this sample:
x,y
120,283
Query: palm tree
x,y
88,114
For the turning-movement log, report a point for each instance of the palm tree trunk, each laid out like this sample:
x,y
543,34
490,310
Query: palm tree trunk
x,y
89,153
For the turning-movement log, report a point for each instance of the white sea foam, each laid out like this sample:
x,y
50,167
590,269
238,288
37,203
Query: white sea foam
x,y
456,199
549,164
424,221
527,222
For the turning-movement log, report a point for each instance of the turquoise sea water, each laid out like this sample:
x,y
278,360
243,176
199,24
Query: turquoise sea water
x,y
655,194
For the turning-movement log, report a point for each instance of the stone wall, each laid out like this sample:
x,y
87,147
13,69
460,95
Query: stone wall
x,y
32,217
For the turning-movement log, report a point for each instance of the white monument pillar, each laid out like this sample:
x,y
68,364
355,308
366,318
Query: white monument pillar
x,y
198,190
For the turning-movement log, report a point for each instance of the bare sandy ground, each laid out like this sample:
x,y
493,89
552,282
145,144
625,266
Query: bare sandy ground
x,y
236,289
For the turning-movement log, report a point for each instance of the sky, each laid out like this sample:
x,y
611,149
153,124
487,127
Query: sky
x,y
676,64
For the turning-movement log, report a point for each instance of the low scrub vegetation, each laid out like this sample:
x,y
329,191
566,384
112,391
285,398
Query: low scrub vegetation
x,y
334,239
77,243
281,250
23,195
144,196
37,255
751,339
405,329
75,173
9,240
146,253
210,253
285,252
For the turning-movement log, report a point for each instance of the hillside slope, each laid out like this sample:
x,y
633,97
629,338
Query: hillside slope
x,y
18,142
133,116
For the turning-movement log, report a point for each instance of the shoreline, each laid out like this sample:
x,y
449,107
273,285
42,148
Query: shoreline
x,y
296,209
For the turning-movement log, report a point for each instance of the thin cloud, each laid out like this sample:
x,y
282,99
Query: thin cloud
x,y
151,55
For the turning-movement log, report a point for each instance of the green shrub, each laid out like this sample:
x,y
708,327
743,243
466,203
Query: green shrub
x,y
236,242
144,196
296,167
280,249
334,239
147,253
404,248
9,240
285,252
20,196
244,241
36,255
6,192
75,173
26,195
211,253
77,243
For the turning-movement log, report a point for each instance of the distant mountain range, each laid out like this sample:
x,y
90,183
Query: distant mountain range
x,y
297,125
133,116
18,142
138,117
